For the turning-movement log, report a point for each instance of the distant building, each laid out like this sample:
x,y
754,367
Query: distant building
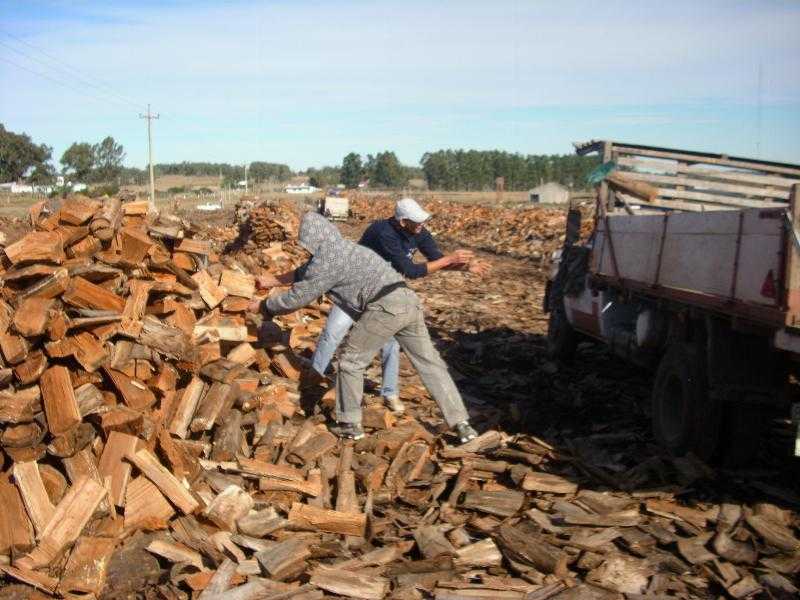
x,y
24,188
549,193
301,189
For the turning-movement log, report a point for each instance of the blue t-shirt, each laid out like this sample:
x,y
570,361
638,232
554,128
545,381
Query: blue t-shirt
x,y
388,239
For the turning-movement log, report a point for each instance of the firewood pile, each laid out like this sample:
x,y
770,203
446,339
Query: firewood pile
x,y
156,443
532,233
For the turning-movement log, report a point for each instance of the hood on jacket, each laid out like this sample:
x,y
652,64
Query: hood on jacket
x,y
316,231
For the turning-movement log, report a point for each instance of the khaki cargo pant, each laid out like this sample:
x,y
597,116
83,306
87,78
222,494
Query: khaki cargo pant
x,y
398,314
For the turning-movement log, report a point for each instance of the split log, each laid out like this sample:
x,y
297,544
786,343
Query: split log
x,y
67,522
163,480
59,401
86,569
175,553
85,294
210,292
112,465
107,220
228,507
349,584
30,318
145,506
285,559
432,543
481,554
37,246
504,503
211,406
187,407
34,496
304,516
523,544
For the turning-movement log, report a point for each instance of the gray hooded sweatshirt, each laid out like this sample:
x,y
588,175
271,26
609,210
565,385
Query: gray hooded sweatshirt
x,y
352,275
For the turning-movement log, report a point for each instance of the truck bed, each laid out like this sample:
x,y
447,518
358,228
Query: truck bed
x,y
728,259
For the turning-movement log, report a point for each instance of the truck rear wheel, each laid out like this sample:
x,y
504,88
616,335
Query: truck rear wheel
x,y
685,417
562,339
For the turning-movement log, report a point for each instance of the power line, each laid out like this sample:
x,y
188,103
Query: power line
x,y
80,79
62,83
89,80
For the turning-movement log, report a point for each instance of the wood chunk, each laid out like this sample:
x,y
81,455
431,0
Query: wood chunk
x,y
145,506
329,521
135,245
694,550
107,220
58,398
432,543
86,247
308,488
774,534
214,327
77,211
228,507
285,559
37,246
243,354
670,509
87,566
176,553
623,574
34,496
349,584
239,284
222,370
16,530
376,416
85,294
40,581
112,464
228,437
89,352
68,520
733,551
172,341
31,369
134,393
201,247
210,292
164,480
20,406
49,287
535,481
136,207
320,444
483,554
521,543
135,307
503,503
14,347
211,405
187,407
30,318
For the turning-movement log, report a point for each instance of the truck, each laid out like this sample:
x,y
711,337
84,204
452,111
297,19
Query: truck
x,y
334,207
691,268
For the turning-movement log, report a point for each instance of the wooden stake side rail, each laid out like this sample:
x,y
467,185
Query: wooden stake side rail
x,y
694,180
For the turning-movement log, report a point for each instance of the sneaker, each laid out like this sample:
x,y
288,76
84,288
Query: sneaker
x,y
394,404
348,431
465,432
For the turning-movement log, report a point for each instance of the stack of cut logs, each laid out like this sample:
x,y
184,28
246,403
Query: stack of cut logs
x,y
154,446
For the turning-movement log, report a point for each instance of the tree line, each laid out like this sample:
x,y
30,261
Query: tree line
x,y
101,162
479,170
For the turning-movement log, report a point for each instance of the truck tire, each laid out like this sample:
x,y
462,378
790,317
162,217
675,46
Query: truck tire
x,y
562,339
685,417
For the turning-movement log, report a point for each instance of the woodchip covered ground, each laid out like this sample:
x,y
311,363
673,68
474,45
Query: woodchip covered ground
x,y
156,443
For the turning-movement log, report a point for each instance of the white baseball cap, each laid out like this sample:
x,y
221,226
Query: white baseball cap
x,y
407,208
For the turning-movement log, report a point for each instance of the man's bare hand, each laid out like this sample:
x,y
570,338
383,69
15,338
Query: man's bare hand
x,y
479,267
266,282
255,305
461,257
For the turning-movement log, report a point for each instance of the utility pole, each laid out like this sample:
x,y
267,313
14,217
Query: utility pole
x,y
246,166
150,116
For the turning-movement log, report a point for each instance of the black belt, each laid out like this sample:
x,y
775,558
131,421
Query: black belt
x,y
385,291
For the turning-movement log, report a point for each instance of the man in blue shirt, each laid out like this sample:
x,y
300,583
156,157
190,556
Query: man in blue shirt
x,y
396,240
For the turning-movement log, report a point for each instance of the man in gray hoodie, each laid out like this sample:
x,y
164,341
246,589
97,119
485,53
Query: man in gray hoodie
x,y
365,286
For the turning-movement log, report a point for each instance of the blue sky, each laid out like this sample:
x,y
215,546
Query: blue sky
x,y
305,82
